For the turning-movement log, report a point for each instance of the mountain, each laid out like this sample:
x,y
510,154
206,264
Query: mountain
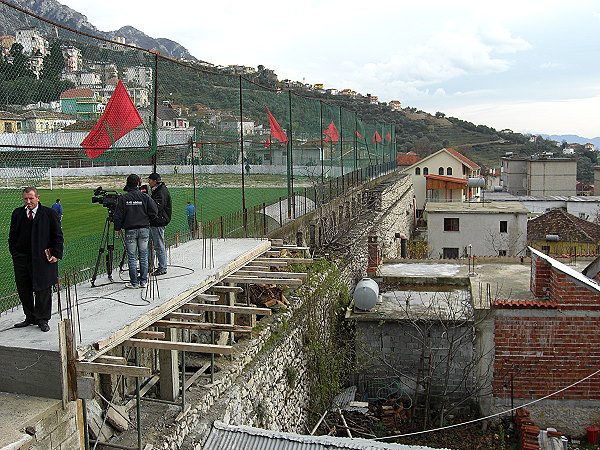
x,y
11,20
572,139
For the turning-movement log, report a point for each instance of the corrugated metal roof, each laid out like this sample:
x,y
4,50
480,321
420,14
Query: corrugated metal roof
x,y
237,437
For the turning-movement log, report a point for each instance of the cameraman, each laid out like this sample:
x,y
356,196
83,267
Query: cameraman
x,y
133,213
160,194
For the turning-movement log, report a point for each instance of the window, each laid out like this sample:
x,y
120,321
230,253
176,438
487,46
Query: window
x,y
449,171
503,226
425,170
418,171
546,249
450,253
441,171
450,223
501,252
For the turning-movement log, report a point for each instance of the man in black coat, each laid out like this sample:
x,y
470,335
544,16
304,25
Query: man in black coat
x,y
160,194
35,242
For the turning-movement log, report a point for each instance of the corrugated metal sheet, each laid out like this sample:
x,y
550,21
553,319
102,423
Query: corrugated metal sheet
x,y
235,437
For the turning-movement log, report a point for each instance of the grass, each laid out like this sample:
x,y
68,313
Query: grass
x,y
83,222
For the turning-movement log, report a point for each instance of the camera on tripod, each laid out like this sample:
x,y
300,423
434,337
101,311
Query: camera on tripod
x,y
106,198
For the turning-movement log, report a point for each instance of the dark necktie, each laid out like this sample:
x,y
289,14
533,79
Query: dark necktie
x,y
30,215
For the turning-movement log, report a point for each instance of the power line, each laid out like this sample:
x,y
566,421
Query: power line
x,y
492,415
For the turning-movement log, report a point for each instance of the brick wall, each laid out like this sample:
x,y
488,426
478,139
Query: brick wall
x,y
540,277
545,354
569,295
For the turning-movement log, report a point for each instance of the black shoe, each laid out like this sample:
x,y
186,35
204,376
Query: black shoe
x,y
23,324
159,272
44,326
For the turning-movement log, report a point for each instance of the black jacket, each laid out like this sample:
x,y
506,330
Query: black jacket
x,y
162,197
134,210
45,233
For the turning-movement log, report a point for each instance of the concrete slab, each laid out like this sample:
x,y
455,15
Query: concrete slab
x,y
110,313
19,412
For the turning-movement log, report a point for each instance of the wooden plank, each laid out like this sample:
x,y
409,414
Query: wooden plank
x,y
270,262
256,267
225,289
272,253
288,247
107,359
230,309
208,298
180,346
258,273
206,326
120,336
196,375
288,260
150,335
113,369
143,391
261,280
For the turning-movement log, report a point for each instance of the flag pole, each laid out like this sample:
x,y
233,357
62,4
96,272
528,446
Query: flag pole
x,y
153,140
341,147
242,157
290,160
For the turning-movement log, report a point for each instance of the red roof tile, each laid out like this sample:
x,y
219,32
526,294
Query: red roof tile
x,y
507,303
77,93
568,227
407,159
463,158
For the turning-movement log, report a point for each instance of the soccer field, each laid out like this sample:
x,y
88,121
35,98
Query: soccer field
x,y
83,223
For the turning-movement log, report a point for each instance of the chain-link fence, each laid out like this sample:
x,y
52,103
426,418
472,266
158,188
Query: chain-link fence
x,y
246,152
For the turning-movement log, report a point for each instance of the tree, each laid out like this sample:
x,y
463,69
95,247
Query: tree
x,y
19,65
54,63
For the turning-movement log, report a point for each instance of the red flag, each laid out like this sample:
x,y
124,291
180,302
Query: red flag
x,y
388,136
276,130
376,138
358,135
118,119
268,142
331,133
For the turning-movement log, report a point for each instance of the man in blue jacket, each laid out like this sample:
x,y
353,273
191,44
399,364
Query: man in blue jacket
x,y
35,242
133,213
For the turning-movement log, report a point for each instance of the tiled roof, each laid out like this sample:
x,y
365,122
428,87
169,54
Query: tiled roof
x,y
463,158
568,227
507,303
407,159
78,93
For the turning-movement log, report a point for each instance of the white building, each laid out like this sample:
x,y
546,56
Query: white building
x,y
442,176
31,40
456,230
139,75
73,59
231,124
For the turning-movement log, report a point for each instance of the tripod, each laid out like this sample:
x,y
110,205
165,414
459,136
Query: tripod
x,y
107,243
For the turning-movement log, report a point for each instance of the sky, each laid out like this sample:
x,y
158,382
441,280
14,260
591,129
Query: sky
x,y
528,65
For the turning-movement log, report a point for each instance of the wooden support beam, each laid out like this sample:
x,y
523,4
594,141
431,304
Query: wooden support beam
x,y
256,266
199,373
229,309
261,280
225,289
180,346
107,359
150,335
288,247
143,391
288,260
206,326
258,273
270,262
207,298
271,253
112,369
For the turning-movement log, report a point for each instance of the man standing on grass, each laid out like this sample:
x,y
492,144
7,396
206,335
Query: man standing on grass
x,y
160,194
35,242
190,212
133,213
58,208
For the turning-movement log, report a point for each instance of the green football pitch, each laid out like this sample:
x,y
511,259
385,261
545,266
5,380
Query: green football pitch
x,y
83,222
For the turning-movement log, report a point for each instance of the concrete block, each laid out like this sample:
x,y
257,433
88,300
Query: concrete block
x,y
63,431
44,444
45,426
98,428
71,443
116,416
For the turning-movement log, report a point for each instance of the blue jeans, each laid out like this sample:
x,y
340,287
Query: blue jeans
x,y
157,235
136,240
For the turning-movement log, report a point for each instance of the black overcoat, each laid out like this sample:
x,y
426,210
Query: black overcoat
x,y
45,233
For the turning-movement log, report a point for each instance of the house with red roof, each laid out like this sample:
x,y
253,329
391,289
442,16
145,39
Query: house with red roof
x,y
406,159
443,177
82,103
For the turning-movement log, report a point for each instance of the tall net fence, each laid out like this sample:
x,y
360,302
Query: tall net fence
x,y
240,155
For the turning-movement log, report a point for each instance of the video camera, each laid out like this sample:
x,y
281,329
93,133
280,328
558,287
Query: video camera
x,y
106,198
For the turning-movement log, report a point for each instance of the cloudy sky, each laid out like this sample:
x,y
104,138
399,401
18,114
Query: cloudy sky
x,y
528,65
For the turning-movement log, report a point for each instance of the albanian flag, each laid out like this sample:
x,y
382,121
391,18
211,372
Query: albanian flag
x,y
376,138
358,135
388,136
118,119
331,133
276,130
268,142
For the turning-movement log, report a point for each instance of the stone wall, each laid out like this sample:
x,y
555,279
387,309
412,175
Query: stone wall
x,y
38,423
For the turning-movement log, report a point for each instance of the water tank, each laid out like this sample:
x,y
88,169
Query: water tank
x,y
552,237
366,294
476,182
498,188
